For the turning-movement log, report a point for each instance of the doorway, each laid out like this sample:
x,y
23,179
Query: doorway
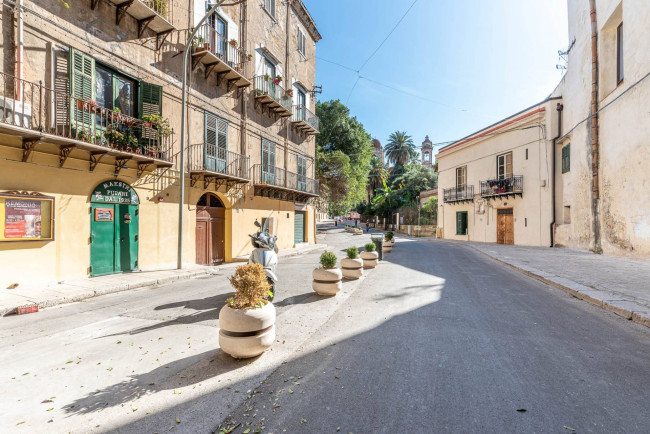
x,y
210,230
114,228
299,227
505,226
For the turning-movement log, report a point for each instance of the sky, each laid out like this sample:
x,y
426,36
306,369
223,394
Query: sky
x,y
450,68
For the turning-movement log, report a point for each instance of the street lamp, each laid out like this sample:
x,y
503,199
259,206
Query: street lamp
x,y
186,52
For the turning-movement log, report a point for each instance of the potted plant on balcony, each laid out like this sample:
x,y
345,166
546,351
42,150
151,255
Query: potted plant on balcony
x,y
387,245
114,138
352,266
277,79
158,123
327,278
249,56
370,256
233,42
267,77
84,135
289,93
88,104
247,320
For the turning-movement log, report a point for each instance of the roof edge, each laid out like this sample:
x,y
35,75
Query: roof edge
x,y
305,17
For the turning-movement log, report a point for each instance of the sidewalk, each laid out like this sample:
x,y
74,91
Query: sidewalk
x,y
82,289
617,284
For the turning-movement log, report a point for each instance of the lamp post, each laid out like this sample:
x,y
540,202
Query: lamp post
x,y
186,52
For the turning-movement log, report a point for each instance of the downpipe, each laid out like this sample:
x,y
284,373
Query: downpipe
x,y
559,107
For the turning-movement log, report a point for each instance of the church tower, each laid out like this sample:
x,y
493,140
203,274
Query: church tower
x,y
427,152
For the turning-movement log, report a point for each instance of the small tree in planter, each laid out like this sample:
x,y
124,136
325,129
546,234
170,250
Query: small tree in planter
x,y
370,256
388,242
247,320
327,278
352,266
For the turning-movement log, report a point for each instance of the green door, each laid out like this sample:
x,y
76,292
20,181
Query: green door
x,y
299,228
127,240
102,239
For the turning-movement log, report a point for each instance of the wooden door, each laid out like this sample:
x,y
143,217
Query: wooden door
x,y
217,241
505,226
202,247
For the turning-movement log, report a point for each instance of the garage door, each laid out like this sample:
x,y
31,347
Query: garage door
x,y
299,228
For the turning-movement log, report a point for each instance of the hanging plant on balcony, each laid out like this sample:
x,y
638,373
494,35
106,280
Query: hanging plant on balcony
x,y
158,123
277,79
233,42
289,93
267,77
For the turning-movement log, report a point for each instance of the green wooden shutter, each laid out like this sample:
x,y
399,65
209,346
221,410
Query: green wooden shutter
x,y
210,145
566,158
149,104
82,85
299,228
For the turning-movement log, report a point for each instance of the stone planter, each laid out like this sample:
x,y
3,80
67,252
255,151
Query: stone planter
x,y
370,259
246,333
358,232
387,247
327,281
352,268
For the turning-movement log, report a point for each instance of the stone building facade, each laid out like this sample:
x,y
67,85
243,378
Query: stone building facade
x,y
90,134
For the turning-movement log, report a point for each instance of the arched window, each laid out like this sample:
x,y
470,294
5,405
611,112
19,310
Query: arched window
x,y
426,157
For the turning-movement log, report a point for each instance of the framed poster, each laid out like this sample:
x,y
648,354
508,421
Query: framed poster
x,y
103,214
26,217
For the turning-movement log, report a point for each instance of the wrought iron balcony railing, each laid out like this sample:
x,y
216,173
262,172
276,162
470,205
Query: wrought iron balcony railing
x,y
303,114
35,111
503,186
207,157
458,194
207,39
269,86
283,179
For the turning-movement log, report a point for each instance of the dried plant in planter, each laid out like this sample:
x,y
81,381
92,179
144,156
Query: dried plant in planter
x,y
251,287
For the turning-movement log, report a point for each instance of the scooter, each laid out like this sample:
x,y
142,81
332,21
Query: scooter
x,y
265,253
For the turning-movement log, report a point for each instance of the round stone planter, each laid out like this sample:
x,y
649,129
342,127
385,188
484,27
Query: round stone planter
x,y
352,268
327,281
386,247
358,232
246,333
370,259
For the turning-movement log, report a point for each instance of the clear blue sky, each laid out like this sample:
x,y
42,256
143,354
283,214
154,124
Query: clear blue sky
x,y
466,63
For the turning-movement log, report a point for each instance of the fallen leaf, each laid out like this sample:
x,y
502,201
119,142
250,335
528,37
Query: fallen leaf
x,y
134,408
177,419
568,428
70,361
109,369
26,373
290,391
47,400
521,410
50,409
247,431
177,392
20,423
303,420
119,342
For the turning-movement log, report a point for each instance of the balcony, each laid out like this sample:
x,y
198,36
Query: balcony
x,y
155,15
284,185
40,115
221,57
215,164
503,187
304,121
464,193
271,96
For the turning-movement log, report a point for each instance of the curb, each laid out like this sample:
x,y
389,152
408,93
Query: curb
x,y
624,308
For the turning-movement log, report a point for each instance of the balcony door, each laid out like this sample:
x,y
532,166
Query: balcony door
x,y
504,166
215,149
302,173
302,105
461,182
268,70
268,162
219,36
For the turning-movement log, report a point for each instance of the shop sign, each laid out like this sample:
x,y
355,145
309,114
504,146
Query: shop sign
x,y
103,214
115,192
26,216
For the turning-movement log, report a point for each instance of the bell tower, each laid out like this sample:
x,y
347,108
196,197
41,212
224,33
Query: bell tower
x,y
427,152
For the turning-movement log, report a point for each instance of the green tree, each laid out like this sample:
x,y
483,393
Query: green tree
x,y
429,211
414,179
400,149
343,182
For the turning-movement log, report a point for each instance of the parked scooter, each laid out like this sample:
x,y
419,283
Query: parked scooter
x,y
265,253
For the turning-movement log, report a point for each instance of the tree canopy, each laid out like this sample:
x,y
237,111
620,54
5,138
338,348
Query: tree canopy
x,y
400,149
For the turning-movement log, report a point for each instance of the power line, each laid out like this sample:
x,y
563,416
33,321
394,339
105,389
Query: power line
x,y
355,85
338,64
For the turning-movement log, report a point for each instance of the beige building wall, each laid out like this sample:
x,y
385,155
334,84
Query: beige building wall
x,y
528,136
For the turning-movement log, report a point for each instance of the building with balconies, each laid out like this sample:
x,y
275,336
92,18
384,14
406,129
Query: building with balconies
x,y
494,184
89,134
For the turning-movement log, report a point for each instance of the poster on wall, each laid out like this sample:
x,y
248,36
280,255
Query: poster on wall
x,y
22,218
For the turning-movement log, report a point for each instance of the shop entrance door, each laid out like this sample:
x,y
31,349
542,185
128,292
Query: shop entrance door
x,y
210,230
113,229
505,226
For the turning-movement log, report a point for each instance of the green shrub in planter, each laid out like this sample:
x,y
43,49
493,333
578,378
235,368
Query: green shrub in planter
x,y
328,260
352,252
370,247
389,236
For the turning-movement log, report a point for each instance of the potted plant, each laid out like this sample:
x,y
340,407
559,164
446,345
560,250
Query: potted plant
x,y
113,137
277,79
247,320
388,243
249,57
370,256
327,278
267,77
233,42
352,266
159,123
289,93
84,135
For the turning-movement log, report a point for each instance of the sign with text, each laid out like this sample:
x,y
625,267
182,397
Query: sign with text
x,y
103,214
115,192
26,216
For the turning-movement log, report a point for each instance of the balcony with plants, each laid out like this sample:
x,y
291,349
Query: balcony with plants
x,y
304,121
278,183
222,57
461,193
271,96
216,164
42,116
155,15
503,187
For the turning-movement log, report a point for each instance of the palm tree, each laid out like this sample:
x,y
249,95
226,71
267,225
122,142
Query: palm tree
x,y
377,171
400,149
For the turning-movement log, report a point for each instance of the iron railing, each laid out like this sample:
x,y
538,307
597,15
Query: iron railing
x,y
503,186
207,38
212,158
302,114
163,8
284,179
266,85
460,193
34,107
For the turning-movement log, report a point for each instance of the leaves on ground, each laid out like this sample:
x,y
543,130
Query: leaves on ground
x,y
50,409
303,420
178,420
289,390
109,368
521,410
568,428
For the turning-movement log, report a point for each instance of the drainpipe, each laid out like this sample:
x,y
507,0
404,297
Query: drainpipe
x,y
242,37
286,80
595,145
559,109
19,51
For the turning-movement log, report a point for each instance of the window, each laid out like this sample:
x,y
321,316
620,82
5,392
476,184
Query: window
x,y
566,158
269,6
619,53
567,215
461,223
504,166
219,37
215,149
302,173
461,175
426,157
268,161
302,42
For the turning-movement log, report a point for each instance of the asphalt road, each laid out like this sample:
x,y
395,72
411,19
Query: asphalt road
x,y
441,339
438,338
